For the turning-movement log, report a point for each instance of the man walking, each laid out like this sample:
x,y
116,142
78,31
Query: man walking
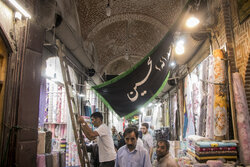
x,y
164,159
147,139
105,142
132,155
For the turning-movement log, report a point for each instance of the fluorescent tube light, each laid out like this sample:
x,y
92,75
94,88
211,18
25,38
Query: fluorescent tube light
x,y
20,8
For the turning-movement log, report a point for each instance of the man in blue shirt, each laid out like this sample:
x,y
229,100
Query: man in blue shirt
x,y
132,155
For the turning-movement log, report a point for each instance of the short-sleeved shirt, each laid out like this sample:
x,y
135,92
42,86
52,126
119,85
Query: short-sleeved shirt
x,y
105,144
147,141
136,158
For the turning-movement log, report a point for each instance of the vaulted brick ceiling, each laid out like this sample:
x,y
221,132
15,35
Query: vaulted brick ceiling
x,y
134,28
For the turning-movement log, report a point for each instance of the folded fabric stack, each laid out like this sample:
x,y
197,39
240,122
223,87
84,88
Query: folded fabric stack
x,y
192,140
210,150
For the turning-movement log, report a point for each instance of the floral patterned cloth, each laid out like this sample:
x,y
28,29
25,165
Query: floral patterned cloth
x,y
220,98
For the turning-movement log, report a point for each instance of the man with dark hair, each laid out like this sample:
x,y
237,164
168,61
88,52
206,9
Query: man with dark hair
x,y
164,159
139,140
105,142
132,155
147,139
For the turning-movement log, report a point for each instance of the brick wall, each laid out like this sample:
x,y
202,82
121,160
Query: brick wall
x,y
242,47
242,40
237,37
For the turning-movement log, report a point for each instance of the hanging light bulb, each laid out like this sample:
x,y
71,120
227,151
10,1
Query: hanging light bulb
x,y
108,9
192,22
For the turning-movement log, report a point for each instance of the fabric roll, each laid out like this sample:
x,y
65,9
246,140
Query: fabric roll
x,y
220,95
41,142
48,142
55,157
210,100
40,160
49,160
242,118
216,144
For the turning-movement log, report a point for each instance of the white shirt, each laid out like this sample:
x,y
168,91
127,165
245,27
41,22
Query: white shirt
x,y
147,141
105,144
139,142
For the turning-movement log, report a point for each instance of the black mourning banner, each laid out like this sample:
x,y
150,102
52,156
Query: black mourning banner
x,y
128,92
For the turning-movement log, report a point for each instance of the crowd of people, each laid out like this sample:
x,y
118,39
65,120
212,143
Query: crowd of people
x,y
133,148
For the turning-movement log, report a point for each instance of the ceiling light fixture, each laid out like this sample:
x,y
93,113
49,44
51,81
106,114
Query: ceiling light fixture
x,y
192,22
108,9
20,8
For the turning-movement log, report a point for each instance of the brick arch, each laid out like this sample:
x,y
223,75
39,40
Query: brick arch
x,y
127,17
247,83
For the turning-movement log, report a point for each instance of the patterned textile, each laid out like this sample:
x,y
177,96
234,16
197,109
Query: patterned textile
x,y
220,95
210,99
202,159
196,101
242,118
215,153
216,144
205,149
189,109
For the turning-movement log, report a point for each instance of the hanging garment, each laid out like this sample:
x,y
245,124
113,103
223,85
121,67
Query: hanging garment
x,y
242,118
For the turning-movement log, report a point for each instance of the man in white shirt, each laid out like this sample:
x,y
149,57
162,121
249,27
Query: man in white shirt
x,y
105,142
147,139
